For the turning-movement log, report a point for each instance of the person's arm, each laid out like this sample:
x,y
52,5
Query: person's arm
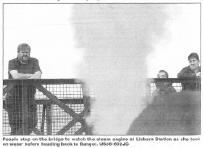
x,y
36,75
16,75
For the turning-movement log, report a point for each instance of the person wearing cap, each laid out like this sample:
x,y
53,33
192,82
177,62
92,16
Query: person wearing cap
x,y
22,67
191,71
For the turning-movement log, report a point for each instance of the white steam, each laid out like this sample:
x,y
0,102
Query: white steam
x,y
116,39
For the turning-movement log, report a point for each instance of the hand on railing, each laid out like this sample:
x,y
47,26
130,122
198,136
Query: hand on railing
x,y
198,74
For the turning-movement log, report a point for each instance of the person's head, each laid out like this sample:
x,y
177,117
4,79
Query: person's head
x,y
162,74
24,52
193,59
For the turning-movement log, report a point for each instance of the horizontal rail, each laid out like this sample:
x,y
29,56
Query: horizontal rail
x,y
174,80
43,81
78,81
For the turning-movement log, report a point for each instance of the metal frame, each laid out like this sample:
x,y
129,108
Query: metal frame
x,y
52,99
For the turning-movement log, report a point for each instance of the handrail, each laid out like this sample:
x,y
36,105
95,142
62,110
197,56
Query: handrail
x,y
174,80
78,81
44,81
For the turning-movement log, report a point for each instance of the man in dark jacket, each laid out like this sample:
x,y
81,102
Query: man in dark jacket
x,y
192,71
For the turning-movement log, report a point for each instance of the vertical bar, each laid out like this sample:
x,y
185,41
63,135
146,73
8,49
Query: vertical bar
x,y
24,109
48,119
43,118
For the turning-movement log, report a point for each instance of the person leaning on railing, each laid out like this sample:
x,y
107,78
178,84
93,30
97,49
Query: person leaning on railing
x,y
163,87
191,71
22,67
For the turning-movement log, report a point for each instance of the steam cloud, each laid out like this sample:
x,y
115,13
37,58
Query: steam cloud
x,y
115,40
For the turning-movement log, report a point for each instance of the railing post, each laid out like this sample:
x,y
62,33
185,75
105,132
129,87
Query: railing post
x,y
43,118
24,109
48,119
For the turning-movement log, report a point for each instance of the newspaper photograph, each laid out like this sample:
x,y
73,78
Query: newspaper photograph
x,y
98,73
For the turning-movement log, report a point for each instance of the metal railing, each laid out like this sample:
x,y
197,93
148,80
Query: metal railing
x,y
62,104
189,84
